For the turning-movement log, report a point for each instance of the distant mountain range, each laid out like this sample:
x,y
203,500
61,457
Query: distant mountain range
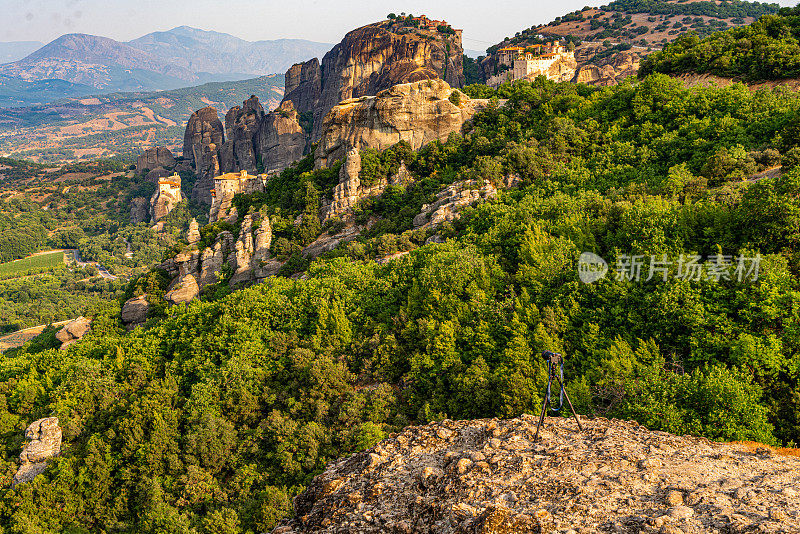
x,y
14,50
180,57
120,123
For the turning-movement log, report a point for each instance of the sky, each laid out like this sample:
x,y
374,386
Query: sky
x,y
484,22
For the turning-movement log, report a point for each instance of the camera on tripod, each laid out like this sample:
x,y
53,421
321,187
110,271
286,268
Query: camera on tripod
x,y
555,367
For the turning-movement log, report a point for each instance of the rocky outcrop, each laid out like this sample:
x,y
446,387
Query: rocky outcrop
x,y
451,200
184,291
368,60
193,233
488,476
201,143
303,86
378,56
73,331
241,126
418,113
134,311
140,210
281,139
242,257
166,196
43,443
605,71
153,158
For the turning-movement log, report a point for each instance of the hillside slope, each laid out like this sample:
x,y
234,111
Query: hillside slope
x,y
489,477
617,36
120,123
100,62
768,49
180,57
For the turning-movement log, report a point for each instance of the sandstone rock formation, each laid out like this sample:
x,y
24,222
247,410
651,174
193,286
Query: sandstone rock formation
x,y
201,142
155,157
166,196
607,70
44,442
376,57
134,311
73,331
140,210
418,113
281,139
156,174
487,476
368,60
241,126
303,85
184,291
451,200
193,233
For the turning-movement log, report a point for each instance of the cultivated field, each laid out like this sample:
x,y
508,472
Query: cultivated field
x,y
36,263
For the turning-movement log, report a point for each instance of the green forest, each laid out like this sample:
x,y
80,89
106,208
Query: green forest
x,y
766,50
87,207
214,415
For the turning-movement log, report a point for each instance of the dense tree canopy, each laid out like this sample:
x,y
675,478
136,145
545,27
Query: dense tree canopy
x,y
768,49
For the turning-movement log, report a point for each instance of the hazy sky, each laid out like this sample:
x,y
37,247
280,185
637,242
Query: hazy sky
x,y
484,22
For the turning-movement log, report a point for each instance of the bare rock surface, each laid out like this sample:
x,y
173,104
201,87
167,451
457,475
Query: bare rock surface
x,y
184,291
73,331
140,210
487,476
193,234
202,140
152,158
451,200
417,112
134,311
43,442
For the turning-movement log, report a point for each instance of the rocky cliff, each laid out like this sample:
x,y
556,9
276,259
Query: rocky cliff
x,y
367,61
417,112
489,477
370,59
43,443
202,141
597,68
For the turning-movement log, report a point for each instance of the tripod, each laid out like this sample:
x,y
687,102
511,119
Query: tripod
x,y
555,362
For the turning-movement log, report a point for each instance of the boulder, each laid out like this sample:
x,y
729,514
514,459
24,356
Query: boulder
x,y
43,443
451,200
134,311
73,331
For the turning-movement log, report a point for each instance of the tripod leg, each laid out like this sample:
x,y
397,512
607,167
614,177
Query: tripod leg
x,y
570,403
541,418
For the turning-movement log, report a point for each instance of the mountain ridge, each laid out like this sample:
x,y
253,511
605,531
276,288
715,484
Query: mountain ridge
x,y
176,58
